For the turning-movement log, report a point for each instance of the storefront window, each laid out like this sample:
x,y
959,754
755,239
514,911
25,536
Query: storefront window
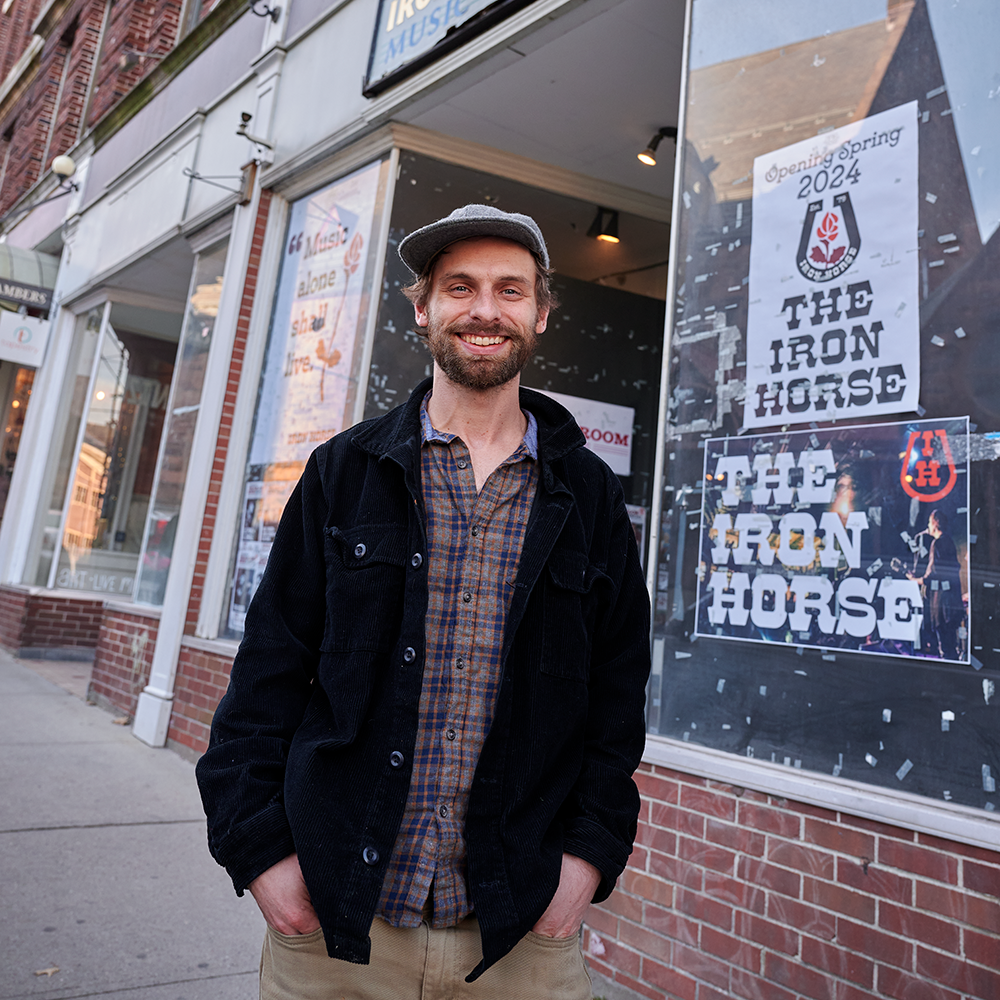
x,y
108,497
185,403
73,405
18,395
309,384
826,589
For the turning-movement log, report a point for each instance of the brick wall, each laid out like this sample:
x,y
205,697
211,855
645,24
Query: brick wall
x,y
15,32
123,659
82,53
228,407
731,893
13,615
202,679
48,620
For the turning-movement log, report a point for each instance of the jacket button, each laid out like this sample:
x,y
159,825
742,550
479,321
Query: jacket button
x,y
409,654
416,559
396,758
360,549
370,855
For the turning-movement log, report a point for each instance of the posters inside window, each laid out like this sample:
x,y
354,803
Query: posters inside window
x,y
308,378
853,539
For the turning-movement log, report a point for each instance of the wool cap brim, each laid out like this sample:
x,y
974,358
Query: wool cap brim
x,y
422,245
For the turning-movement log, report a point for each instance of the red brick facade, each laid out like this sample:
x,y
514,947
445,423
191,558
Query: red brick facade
x,y
731,893
61,95
124,658
202,679
48,619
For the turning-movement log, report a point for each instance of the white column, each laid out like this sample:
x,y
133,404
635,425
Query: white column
x,y
152,715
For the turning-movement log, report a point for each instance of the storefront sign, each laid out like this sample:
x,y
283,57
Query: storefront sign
x,y
853,539
26,295
833,319
606,426
22,338
406,30
310,356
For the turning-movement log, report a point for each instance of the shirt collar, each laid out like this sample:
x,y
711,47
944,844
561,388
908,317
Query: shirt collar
x,y
429,433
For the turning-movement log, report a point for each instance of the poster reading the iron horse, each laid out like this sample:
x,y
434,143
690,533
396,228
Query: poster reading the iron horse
x,y
854,539
833,318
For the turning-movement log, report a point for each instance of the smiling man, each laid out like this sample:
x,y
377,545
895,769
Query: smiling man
x,y
422,769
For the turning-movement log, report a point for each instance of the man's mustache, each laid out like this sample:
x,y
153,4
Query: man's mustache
x,y
479,330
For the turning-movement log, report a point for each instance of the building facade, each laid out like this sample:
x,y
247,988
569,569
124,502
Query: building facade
x,y
786,355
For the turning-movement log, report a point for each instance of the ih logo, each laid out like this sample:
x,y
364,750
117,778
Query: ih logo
x,y
830,242
23,335
928,472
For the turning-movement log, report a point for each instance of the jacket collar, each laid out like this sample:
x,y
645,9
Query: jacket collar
x,y
397,434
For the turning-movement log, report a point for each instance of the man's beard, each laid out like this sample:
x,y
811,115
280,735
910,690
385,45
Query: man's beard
x,y
477,371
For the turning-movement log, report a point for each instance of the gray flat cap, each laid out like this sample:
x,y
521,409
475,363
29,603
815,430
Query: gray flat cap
x,y
422,245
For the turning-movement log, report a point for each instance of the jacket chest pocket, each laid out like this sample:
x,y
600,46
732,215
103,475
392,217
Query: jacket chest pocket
x,y
365,580
571,603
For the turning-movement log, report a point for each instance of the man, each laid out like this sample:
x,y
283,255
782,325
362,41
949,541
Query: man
x,y
423,763
941,584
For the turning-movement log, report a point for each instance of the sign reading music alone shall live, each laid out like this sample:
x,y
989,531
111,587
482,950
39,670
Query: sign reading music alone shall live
x,y
833,318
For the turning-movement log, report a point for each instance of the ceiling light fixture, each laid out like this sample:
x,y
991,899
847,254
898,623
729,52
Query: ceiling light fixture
x,y
648,155
605,226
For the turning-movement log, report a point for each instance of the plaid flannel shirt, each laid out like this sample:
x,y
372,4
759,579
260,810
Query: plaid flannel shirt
x,y
474,545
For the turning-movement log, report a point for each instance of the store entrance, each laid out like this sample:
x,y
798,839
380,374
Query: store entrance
x,y
112,477
15,394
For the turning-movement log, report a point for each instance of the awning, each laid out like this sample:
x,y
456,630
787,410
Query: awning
x,y
27,277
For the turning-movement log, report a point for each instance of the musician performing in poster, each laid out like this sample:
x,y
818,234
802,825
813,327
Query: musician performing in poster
x,y
851,538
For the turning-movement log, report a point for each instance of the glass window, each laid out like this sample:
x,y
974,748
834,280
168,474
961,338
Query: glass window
x,y
18,397
73,404
112,478
309,383
185,402
826,593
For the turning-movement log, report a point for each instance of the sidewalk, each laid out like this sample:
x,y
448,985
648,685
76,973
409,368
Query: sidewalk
x,y
106,875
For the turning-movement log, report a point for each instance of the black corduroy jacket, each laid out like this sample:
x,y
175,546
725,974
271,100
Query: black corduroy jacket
x,y
312,745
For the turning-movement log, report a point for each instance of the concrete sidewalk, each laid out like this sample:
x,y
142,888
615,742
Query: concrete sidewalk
x,y
105,874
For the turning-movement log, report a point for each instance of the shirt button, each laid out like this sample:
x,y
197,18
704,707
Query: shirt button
x,y
459,662
450,734
461,463
475,530
467,596
370,855
396,758
443,810
360,549
409,654
416,559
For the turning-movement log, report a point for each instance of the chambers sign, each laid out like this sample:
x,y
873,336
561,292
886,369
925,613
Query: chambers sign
x,y
410,34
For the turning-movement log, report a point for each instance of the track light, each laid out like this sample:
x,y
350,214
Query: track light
x,y
648,155
605,226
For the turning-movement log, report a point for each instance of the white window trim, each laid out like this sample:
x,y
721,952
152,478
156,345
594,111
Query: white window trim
x,y
230,499
963,824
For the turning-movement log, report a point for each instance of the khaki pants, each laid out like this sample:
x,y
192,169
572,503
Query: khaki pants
x,y
421,963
